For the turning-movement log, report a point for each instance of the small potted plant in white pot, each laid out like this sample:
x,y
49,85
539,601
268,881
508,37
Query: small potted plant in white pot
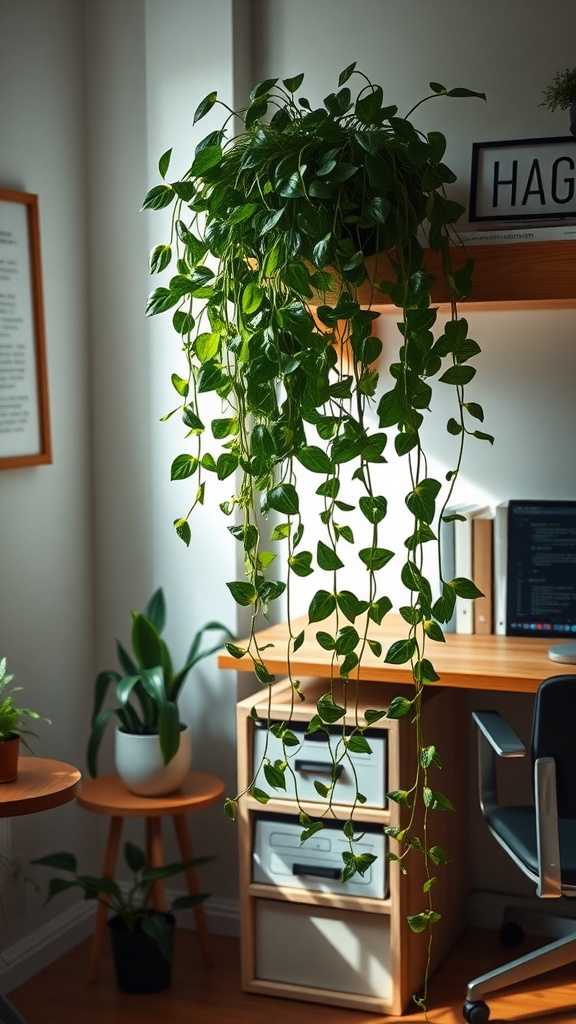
x,y
153,747
142,937
13,729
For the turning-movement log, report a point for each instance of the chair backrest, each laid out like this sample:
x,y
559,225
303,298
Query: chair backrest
x,y
554,735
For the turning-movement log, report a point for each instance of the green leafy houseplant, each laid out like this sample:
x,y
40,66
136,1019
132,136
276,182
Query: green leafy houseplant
x,y
147,693
273,296
13,719
562,91
133,905
561,95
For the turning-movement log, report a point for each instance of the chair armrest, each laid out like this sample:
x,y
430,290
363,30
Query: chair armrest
x,y
499,733
495,736
550,883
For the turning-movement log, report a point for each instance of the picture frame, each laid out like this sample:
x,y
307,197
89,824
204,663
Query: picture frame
x,y
25,438
523,180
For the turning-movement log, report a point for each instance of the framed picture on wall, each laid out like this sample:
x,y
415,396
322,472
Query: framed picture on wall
x,y
24,418
523,180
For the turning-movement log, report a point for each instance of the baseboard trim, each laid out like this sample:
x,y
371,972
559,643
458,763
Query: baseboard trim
x,y
40,948
486,909
223,918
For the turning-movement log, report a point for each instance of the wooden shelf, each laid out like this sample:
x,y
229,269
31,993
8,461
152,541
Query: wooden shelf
x,y
543,273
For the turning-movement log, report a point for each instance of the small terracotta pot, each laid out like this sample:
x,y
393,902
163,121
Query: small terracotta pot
x,y
9,753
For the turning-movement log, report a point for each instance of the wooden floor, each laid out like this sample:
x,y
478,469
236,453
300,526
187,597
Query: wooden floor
x,y
60,994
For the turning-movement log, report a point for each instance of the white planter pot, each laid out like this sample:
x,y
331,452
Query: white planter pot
x,y
140,766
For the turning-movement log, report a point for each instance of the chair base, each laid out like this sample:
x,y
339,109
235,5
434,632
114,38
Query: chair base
x,y
476,1013
8,1013
546,958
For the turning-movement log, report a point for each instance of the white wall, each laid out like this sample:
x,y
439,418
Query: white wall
x,y
194,577
122,473
87,112
46,595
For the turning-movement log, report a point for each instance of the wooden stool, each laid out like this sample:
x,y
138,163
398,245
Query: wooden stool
x,y
109,795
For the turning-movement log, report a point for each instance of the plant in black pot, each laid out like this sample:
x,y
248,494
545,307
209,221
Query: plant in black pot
x,y
13,726
153,747
142,937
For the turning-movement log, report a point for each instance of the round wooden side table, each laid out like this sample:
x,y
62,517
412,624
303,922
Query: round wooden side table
x,y
41,784
108,795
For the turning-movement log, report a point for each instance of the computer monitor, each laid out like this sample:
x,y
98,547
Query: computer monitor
x,y
541,570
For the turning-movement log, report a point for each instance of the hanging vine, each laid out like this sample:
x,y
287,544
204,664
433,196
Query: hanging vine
x,y
271,228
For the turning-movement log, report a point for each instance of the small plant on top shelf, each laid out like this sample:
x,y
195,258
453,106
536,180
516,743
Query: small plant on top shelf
x,y
562,92
561,95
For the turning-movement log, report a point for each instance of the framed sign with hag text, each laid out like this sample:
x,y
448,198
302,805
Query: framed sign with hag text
x,y
523,180
24,419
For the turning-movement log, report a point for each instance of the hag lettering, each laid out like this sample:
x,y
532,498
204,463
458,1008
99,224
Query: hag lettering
x,y
543,184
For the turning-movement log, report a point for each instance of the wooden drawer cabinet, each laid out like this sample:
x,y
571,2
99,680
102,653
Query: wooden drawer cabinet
x,y
330,943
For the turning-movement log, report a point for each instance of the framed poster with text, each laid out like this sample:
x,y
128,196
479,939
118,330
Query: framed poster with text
x,y
525,180
24,419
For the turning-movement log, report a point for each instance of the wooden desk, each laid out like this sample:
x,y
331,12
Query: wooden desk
x,y
41,784
497,663
504,663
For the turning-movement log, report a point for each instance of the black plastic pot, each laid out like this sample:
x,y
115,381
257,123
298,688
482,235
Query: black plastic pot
x,y
140,965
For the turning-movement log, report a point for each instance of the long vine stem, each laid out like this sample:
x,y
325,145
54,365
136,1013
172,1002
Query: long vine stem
x,y
284,211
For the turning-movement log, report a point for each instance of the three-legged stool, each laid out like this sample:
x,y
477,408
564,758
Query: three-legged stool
x,y
109,795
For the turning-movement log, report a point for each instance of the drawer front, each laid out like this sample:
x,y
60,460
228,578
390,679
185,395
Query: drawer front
x,y
324,948
279,858
311,761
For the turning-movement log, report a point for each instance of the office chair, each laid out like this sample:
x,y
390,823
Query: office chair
x,y
540,838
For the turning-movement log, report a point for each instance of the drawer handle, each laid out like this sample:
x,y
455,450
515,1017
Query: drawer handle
x,y
318,767
318,870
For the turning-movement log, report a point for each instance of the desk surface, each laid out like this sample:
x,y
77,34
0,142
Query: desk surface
x,y
504,663
41,784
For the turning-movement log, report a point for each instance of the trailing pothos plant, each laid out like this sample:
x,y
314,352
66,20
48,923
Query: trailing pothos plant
x,y
270,231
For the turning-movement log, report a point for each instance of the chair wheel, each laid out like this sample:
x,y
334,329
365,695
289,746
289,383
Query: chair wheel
x,y
511,934
476,1012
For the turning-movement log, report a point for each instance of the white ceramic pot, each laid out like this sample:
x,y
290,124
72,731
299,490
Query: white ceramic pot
x,y
140,766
